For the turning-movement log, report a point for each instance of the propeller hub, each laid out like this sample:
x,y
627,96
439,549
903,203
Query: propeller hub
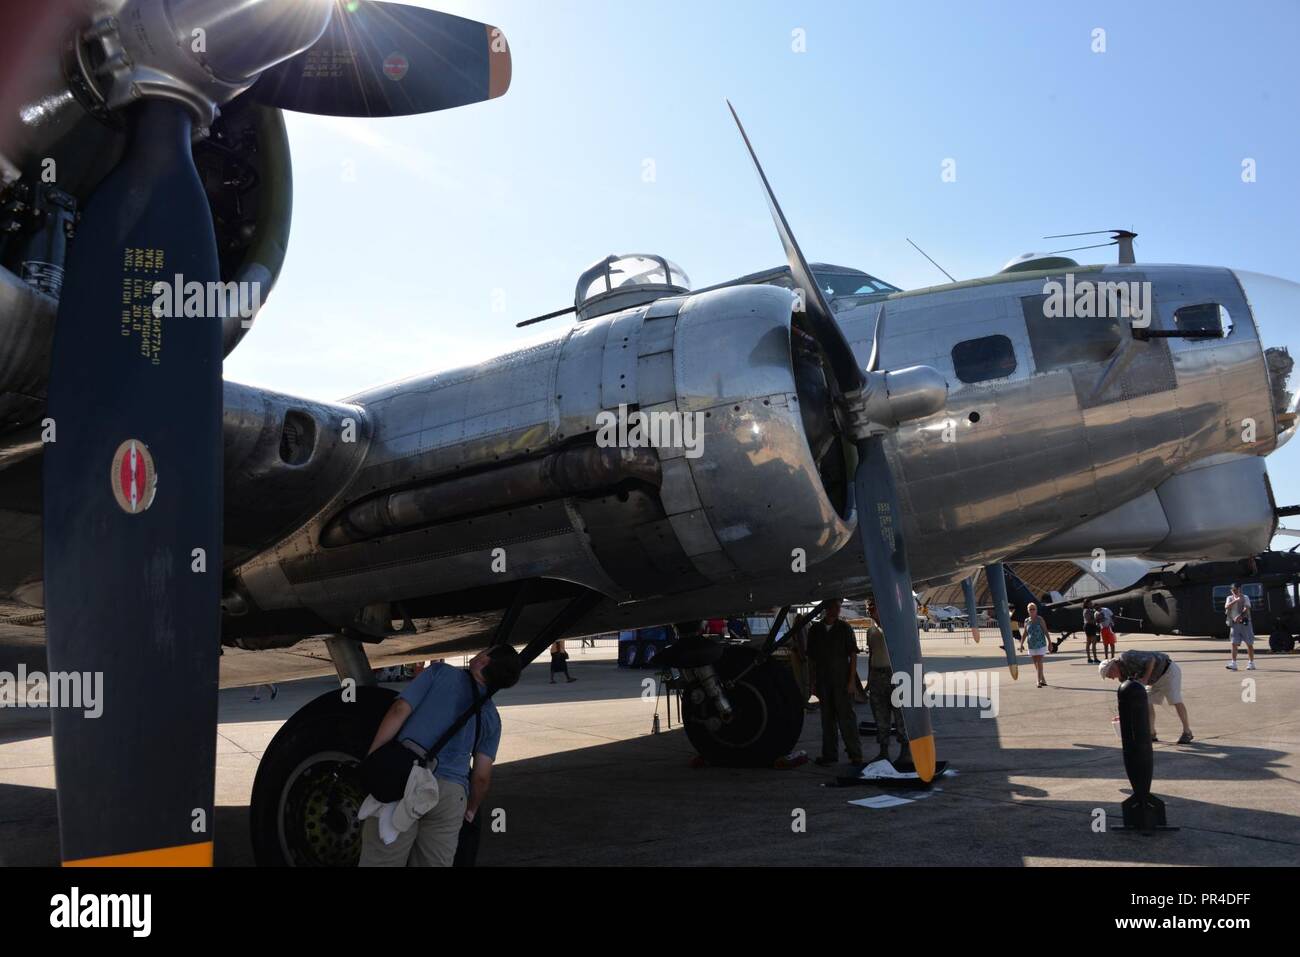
x,y
888,399
201,53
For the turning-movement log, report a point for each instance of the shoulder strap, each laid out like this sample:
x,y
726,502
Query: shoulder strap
x,y
460,722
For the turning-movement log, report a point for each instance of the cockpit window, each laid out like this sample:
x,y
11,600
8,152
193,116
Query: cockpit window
x,y
979,360
1205,321
837,284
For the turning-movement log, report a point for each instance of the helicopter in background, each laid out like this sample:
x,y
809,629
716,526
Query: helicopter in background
x,y
1187,598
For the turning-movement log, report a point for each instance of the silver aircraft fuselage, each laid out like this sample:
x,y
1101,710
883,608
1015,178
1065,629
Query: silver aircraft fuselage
x,y
1061,437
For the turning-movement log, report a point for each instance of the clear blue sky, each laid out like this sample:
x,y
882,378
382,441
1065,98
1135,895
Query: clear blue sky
x,y
419,242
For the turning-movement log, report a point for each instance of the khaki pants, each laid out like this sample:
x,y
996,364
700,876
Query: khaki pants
x,y
837,710
880,688
430,842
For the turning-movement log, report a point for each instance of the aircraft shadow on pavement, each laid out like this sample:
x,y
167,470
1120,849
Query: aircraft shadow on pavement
x,y
641,802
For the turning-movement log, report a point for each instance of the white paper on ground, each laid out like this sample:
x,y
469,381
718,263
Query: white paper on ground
x,y
879,801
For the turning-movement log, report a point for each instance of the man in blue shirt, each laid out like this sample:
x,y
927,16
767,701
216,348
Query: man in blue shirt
x,y
420,716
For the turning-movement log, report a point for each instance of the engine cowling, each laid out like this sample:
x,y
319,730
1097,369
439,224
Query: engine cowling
x,y
752,496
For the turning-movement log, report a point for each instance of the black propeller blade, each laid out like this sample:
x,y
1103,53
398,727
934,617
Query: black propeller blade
x,y
132,512
998,590
972,611
389,59
879,519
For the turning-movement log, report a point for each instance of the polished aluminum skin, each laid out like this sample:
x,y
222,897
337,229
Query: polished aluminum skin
x,y
1165,462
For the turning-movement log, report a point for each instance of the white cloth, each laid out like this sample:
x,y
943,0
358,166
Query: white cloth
x,y
418,799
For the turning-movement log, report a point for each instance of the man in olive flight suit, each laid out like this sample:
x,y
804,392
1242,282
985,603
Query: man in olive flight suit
x,y
833,651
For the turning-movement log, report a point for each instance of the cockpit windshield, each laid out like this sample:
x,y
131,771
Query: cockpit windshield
x,y
839,283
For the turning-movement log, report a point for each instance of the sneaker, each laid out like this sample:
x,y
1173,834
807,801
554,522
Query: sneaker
x,y
1250,666
1231,666
572,680
1154,739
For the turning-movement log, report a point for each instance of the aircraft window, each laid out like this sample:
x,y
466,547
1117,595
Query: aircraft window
x,y
621,271
837,285
979,360
1058,342
636,270
1208,320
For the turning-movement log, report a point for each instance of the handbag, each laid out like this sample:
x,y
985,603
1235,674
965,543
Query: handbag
x,y
470,831
385,770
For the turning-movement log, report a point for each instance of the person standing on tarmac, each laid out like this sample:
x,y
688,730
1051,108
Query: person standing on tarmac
x,y
1090,631
427,709
833,650
880,688
1037,636
1237,608
560,662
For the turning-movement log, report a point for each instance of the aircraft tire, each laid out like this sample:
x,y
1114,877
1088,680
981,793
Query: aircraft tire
x,y
1281,643
767,714
308,790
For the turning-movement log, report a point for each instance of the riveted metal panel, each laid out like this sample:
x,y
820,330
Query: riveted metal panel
x,y
655,379
672,450
618,379
657,335
578,378
666,307
693,531
716,565
677,491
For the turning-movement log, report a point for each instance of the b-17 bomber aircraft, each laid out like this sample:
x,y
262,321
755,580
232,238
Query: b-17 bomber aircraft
x,y
672,454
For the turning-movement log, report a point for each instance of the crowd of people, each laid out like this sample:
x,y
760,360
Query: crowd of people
x,y
437,744
824,660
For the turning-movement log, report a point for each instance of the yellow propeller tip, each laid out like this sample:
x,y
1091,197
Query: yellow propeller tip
x,y
923,757
1015,671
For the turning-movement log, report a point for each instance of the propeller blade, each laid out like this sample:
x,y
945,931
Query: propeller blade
x,y
132,491
972,609
880,523
877,497
821,322
998,590
390,59
873,363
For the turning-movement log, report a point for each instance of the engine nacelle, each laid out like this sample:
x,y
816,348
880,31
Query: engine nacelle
x,y
751,496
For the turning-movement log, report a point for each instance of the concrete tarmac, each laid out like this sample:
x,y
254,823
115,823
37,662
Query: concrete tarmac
x,y
581,780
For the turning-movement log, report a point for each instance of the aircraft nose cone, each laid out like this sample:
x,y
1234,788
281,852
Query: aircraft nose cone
x,y
1275,305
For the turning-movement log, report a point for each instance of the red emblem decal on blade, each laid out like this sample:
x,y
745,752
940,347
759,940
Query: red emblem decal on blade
x,y
134,477
395,66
